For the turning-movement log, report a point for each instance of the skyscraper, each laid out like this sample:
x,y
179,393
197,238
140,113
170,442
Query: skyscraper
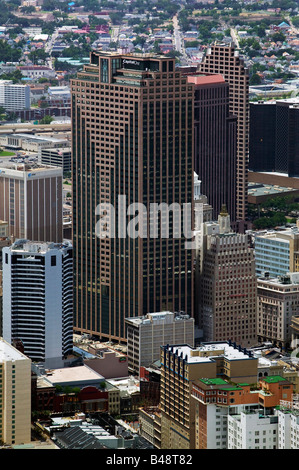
x,y
215,141
274,136
227,284
224,59
38,299
31,201
132,143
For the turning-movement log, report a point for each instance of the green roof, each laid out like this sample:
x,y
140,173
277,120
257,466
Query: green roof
x,y
213,381
231,387
273,379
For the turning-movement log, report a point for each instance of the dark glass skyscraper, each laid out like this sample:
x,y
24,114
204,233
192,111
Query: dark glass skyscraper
x,y
215,142
132,142
224,59
274,136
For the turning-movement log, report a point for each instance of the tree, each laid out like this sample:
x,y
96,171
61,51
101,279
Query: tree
x,y
8,53
255,79
278,37
16,76
38,54
29,9
46,120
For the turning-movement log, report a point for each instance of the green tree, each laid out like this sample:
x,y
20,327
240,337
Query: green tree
x,y
278,37
46,120
255,79
8,53
38,54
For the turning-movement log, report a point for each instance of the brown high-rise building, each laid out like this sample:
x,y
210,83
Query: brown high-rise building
x,y
224,59
31,202
227,284
132,136
215,141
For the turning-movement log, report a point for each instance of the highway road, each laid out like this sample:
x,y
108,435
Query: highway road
x,y
27,127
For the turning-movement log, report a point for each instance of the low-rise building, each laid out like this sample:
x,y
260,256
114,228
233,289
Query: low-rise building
x,y
277,303
37,71
61,157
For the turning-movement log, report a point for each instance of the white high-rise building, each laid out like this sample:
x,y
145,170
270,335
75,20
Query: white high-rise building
x,y
14,96
15,395
38,299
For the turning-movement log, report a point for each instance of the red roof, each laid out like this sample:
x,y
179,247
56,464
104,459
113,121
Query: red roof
x,y
206,79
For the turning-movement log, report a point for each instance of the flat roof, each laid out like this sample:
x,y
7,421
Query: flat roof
x,y
73,374
221,349
261,189
28,246
274,379
9,353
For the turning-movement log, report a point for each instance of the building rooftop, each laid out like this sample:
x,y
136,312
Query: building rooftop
x,y
27,169
260,189
290,279
38,247
158,318
207,352
274,379
73,374
9,353
206,79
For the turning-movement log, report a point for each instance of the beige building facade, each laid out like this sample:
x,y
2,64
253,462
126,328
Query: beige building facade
x,y
277,303
145,335
15,393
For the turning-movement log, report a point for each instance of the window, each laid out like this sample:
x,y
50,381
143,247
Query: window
x,y
53,260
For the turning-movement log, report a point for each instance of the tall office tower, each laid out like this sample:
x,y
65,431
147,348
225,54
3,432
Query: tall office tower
x,y
38,299
262,136
227,284
224,59
274,136
15,395
31,202
132,142
215,141
181,365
